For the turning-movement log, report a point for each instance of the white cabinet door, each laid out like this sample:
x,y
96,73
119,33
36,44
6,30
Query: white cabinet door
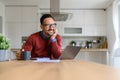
x,y
29,14
73,31
95,30
97,56
21,14
13,14
76,18
95,17
95,23
20,21
92,22
29,20
13,31
29,28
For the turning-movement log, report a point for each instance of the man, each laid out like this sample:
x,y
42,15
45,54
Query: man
x,y
46,43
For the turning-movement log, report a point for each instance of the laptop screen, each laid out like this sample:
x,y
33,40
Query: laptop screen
x,y
70,52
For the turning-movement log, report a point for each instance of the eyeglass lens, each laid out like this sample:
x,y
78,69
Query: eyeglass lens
x,y
50,25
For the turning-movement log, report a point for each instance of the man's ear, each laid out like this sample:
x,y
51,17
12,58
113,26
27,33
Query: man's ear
x,y
41,27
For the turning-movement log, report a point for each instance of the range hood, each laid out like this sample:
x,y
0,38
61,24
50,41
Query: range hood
x,y
55,11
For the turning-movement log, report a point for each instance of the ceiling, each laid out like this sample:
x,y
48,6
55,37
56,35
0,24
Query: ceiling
x,y
70,3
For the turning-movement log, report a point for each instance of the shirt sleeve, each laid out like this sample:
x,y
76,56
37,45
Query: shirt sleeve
x,y
27,46
53,40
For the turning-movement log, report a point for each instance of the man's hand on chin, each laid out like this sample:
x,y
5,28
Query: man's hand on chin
x,y
54,34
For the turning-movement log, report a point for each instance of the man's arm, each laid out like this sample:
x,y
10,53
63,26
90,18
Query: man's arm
x,y
56,47
56,44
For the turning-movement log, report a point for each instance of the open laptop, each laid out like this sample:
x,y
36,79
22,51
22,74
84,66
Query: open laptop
x,y
70,52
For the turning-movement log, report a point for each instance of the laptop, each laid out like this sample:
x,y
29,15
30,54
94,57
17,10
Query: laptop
x,y
70,52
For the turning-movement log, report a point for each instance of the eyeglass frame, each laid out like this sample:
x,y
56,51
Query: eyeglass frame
x,y
50,25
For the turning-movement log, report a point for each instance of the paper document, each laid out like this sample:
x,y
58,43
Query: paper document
x,y
46,60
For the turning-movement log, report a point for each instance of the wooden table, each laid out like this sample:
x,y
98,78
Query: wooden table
x,y
63,70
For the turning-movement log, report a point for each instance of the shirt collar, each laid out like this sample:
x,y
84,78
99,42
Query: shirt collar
x,y
43,35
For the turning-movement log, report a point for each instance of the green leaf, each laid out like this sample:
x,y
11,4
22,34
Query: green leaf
x,y
4,42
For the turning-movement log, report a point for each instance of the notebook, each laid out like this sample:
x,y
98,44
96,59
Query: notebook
x,y
70,52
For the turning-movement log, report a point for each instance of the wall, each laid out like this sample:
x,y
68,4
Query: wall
x,y
110,28
113,34
2,18
110,32
116,51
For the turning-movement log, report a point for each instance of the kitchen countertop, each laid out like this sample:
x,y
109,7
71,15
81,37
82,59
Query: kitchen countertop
x,y
15,49
82,49
93,49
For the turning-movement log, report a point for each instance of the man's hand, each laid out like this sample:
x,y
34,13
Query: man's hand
x,y
55,33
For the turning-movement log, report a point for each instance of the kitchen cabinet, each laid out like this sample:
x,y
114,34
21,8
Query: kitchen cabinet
x,y
75,22
95,23
13,14
21,14
76,19
73,31
20,21
92,22
29,14
95,17
13,30
2,7
95,30
94,55
29,28
68,30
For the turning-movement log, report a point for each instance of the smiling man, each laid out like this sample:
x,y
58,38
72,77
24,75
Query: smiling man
x,y
45,43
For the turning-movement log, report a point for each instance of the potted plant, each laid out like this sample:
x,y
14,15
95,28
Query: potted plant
x,y
89,44
73,43
4,45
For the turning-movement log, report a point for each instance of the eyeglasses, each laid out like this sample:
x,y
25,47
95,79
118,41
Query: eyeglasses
x,y
50,25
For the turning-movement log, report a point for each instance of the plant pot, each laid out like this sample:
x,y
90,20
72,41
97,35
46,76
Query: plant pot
x,y
2,55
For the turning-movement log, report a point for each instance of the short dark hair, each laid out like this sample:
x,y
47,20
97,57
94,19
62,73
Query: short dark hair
x,y
44,16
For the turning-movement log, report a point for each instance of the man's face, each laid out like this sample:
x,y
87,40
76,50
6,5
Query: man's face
x,y
48,26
